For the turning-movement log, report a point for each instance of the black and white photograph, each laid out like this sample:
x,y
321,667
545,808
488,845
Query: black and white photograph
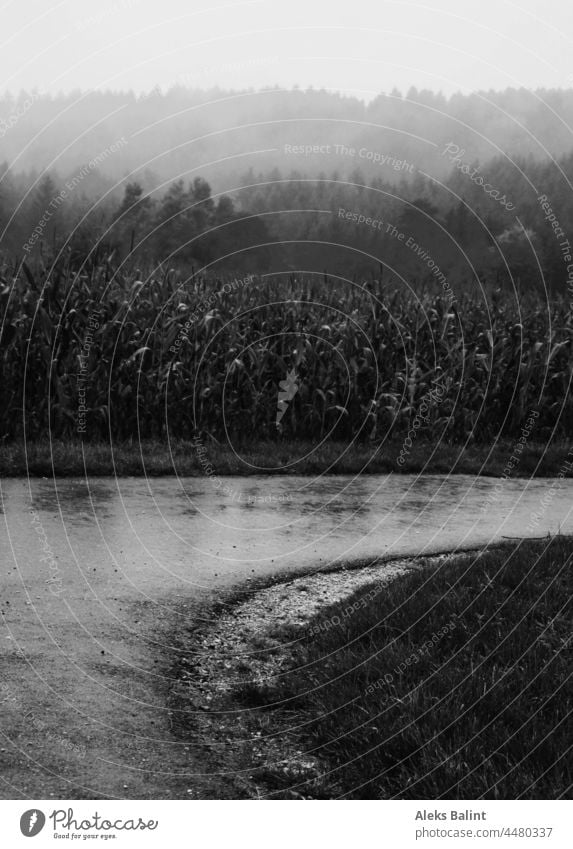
x,y
286,422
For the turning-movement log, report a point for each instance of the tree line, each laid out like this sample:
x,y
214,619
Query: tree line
x,y
504,222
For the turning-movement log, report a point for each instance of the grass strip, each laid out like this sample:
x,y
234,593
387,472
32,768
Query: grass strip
x,y
454,683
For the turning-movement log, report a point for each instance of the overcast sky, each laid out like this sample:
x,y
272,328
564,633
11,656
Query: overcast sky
x,y
356,46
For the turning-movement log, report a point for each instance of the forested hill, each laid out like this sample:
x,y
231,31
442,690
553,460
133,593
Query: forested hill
x,y
465,187
221,134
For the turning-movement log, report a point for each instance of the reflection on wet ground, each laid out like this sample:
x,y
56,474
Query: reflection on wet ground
x,y
165,530
73,498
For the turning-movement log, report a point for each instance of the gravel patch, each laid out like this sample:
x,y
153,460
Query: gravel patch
x,y
245,650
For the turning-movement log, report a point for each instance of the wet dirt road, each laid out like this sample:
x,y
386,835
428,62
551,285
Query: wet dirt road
x,y
97,576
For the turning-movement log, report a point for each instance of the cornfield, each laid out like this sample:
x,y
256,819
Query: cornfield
x,y
167,356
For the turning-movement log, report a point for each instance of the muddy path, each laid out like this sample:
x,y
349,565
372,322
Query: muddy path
x,y
100,579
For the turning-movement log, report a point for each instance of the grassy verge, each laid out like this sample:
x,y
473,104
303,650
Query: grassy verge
x,y
454,683
158,458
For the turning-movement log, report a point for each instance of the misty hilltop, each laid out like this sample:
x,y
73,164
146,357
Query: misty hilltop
x,y
222,134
